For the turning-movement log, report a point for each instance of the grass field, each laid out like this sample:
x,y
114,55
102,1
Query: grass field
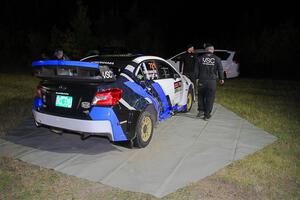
x,y
272,173
16,94
273,106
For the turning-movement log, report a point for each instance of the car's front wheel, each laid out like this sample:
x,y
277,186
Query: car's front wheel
x,y
144,130
189,101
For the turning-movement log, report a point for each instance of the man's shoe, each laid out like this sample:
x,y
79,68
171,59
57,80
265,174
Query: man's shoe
x,y
206,117
200,114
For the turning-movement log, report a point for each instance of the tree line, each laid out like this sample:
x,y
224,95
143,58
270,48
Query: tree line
x,y
267,51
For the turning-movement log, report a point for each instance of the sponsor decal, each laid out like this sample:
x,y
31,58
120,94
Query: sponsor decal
x,y
178,86
151,71
107,74
62,93
106,63
85,104
208,61
61,87
152,65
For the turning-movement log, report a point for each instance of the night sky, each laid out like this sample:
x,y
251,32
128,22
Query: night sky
x,y
172,25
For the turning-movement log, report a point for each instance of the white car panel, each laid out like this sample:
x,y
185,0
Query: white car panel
x,y
231,68
181,83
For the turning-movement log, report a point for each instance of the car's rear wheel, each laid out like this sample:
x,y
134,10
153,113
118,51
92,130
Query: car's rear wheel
x,y
144,130
189,101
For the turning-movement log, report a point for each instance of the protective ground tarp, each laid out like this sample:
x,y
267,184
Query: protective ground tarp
x,y
184,149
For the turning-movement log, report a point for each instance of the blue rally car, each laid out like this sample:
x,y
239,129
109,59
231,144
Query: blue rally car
x,y
121,97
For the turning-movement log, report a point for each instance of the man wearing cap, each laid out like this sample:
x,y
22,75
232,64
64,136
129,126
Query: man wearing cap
x,y
187,66
59,55
208,68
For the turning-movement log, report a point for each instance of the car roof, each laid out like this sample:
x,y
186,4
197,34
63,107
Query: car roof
x,y
142,58
120,60
118,57
115,60
203,51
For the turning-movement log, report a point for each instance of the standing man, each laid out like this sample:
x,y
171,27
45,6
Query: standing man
x,y
207,69
59,55
188,62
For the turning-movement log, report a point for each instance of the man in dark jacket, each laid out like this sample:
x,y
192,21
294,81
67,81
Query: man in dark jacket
x,y
207,69
60,55
188,62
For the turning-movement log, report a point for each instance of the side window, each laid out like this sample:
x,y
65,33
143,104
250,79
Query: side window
x,y
149,70
165,70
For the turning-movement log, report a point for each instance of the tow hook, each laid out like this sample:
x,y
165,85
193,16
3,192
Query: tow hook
x,y
84,136
57,131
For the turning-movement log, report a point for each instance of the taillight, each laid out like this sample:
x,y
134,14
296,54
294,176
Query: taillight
x,y
108,97
38,92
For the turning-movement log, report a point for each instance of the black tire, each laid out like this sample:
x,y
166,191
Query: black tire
x,y
144,130
190,100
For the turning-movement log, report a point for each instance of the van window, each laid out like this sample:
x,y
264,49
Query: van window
x,y
222,54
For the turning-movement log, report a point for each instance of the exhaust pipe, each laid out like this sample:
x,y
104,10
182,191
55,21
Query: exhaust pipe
x,y
38,125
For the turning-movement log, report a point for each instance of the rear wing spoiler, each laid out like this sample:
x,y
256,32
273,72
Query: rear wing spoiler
x,y
72,70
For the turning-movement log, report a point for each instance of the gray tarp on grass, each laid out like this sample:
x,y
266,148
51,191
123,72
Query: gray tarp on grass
x,y
183,150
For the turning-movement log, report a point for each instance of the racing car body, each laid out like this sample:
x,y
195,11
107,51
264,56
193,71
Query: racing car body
x,y
120,97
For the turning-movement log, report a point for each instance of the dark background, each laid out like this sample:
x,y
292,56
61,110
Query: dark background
x,y
266,37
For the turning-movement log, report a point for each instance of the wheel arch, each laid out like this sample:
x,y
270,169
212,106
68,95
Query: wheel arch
x,y
131,129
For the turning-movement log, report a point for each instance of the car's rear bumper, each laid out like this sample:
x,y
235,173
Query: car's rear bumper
x,y
94,127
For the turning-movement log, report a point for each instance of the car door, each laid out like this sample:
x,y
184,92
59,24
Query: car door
x,y
177,61
170,81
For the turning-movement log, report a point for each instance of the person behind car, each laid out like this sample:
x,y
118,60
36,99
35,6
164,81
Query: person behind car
x,y
188,62
44,56
59,55
207,69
